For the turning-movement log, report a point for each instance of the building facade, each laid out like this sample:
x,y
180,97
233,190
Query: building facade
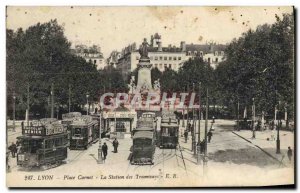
x,y
169,57
91,54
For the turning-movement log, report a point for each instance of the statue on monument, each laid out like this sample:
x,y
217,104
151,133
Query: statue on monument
x,y
144,49
156,84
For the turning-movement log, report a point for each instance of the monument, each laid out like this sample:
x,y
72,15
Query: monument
x,y
144,70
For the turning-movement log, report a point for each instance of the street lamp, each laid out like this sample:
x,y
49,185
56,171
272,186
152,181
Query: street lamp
x,y
253,119
100,159
87,103
14,112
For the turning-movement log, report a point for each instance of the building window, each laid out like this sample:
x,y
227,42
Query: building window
x,y
155,65
165,58
95,61
201,53
195,53
189,53
160,58
208,60
170,66
179,58
216,59
160,66
170,58
166,65
174,58
156,58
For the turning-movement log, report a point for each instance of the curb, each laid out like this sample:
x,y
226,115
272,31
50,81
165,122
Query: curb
x,y
267,153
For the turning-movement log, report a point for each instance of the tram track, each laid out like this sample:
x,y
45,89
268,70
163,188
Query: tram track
x,y
79,154
182,158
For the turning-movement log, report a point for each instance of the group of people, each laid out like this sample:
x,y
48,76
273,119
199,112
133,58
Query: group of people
x,y
105,148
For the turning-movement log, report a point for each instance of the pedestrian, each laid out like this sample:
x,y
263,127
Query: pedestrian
x,y
290,153
209,135
185,135
13,149
22,125
115,144
104,150
202,146
189,127
213,119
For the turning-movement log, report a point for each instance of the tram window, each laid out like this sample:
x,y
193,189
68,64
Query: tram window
x,y
35,145
58,142
172,132
77,131
49,144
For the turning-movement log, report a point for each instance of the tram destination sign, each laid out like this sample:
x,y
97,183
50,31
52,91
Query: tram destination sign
x,y
42,130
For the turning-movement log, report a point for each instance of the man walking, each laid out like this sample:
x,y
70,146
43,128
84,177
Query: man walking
x,y
115,144
290,153
185,135
104,150
13,149
209,135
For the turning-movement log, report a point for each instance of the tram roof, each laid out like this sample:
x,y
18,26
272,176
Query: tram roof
x,y
143,134
169,125
144,129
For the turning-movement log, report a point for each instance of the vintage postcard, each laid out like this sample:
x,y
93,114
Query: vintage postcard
x,y
150,96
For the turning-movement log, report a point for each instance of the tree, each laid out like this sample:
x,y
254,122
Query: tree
x,y
40,56
260,65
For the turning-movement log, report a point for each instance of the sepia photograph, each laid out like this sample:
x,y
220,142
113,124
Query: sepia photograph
x,y
150,96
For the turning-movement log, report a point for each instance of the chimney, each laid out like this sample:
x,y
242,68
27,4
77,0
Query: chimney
x,y
159,47
183,46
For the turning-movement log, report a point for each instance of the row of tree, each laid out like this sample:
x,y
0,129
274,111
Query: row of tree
x,y
41,56
259,65
259,69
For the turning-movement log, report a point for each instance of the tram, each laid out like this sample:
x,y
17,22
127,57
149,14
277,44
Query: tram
x,y
43,145
143,147
67,120
84,131
169,128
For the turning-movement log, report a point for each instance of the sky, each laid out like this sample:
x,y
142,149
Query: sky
x,y
113,28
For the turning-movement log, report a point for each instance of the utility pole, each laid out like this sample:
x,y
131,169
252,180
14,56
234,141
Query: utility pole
x,y
69,98
253,119
286,116
28,106
188,110
100,159
52,100
205,160
194,130
199,117
183,124
238,115
14,112
278,127
87,103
